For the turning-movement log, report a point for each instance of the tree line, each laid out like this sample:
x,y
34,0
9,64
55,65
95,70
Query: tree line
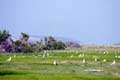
x,y
22,45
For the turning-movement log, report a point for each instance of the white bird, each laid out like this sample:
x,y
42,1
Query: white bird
x,y
34,56
96,59
43,55
117,56
81,55
104,60
104,52
84,61
113,63
9,59
47,54
55,62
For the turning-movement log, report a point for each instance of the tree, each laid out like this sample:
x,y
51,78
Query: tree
x,y
25,46
22,45
17,46
60,45
4,35
51,38
24,38
26,49
46,40
53,44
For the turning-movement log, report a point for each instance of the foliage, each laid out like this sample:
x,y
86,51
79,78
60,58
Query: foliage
x,y
60,45
22,45
24,34
4,35
24,38
53,44
17,42
26,48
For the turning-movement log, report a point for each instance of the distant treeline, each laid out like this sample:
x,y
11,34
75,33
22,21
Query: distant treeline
x,y
22,45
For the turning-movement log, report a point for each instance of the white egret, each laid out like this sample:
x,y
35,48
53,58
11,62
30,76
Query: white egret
x,y
55,62
113,63
47,54
43,55
84,61
104,60
9,59
96,59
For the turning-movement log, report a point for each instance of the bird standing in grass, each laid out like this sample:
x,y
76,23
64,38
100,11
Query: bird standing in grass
x,y
9,59
96,59
55,62
104,60
43,55
113,63
84,61
47,54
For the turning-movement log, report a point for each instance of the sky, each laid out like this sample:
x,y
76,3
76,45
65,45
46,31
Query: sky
x,y
88,21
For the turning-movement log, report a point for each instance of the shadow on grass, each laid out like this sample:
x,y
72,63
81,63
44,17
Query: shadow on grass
x,y
11,72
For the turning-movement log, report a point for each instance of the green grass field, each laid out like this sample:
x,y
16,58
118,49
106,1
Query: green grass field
x,y
39,66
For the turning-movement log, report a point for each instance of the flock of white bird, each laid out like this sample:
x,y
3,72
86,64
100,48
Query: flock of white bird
x,y
84,61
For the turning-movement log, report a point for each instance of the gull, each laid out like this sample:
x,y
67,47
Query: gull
x,y
117,56
47,54
34,56
96,59
55,62
104,52
113,63
9,59
81,55
43,56
84,61
104,60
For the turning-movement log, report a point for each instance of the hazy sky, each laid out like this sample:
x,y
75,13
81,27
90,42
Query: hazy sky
x,y
90,21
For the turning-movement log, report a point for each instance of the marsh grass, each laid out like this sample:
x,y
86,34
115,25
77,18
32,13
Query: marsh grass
x,y
27,66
